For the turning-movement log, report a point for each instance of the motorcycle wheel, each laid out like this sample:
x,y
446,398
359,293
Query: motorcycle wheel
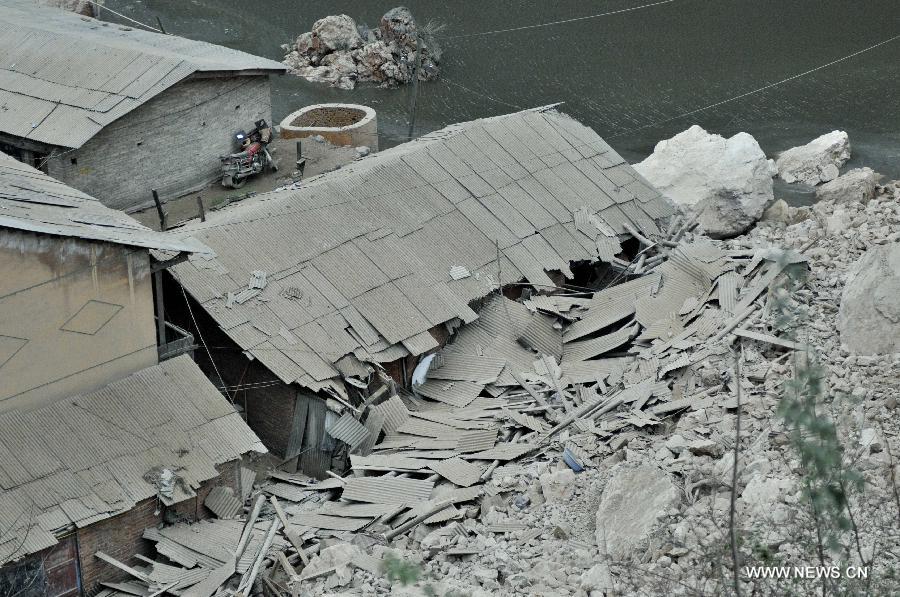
x,y
233,182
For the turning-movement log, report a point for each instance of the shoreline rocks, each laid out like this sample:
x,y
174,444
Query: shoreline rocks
x,y
342,53
729,181
816,162
856,186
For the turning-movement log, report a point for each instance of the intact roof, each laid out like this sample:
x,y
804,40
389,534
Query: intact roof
x,y
32,201
64,77
358,261
89,457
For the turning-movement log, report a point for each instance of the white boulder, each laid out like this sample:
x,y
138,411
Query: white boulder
x,y
729,181
818,161
336,32
856,186
869,317
634,500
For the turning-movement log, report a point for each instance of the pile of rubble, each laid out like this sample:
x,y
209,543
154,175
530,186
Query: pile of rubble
x,y
583,442
341,53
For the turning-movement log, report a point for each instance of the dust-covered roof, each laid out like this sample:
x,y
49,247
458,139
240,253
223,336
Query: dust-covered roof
x,y
358,264
63,77
32,201
93,456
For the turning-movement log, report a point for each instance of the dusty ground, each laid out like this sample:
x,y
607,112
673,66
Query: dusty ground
x,y
320,157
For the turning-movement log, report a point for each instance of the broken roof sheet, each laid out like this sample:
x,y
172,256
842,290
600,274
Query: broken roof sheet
x,y
88,458
32,201
65,77
382,240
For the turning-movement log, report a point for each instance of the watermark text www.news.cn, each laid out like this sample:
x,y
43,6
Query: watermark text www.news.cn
x,y
807,572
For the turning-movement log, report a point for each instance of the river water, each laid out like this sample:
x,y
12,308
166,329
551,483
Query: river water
x,y
631,76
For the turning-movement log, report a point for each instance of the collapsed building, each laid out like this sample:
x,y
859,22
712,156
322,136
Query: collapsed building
x,y
117,112
106,425
313,296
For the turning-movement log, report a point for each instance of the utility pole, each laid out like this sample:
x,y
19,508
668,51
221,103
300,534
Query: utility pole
x,y
415,84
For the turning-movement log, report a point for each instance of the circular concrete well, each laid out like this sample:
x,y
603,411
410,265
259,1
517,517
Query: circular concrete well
x,y
339,124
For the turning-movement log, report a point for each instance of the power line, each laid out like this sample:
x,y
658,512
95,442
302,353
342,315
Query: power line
x,y
118,14
200,335
561,22
484,95
761,89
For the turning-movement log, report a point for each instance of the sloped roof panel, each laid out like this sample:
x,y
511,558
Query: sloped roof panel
x,y
32,201
378,238
102,434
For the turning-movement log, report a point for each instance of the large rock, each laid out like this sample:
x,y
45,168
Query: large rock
x,y
856,186
634,500
336,32
398,25
818,161
729,181
869,317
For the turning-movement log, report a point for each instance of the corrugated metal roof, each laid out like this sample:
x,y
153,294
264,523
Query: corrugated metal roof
x,y
34,202
419,215
348,430
585,349
223,503
166,416
476,441
505,451
457,471
394,412
454,393
387,490
66,76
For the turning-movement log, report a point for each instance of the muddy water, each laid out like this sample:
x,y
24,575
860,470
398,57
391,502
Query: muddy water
x,y
629,76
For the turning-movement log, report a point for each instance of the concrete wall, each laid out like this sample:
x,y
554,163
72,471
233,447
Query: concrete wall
x,y
74,315
172,143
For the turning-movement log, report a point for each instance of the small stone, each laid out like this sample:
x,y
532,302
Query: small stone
x,y
558,486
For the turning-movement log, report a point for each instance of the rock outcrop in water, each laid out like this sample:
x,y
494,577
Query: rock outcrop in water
x,y
341,53
729,181
81,7
818,161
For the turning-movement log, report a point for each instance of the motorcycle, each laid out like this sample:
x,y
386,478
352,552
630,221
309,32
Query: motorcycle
x,y
253,158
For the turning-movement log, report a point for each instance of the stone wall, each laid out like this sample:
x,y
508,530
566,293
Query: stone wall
x,y
172,143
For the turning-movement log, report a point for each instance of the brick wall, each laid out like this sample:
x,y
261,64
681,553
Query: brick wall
x,y
172,143
122,536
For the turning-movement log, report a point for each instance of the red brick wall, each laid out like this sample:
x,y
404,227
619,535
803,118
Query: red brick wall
x,y
122,536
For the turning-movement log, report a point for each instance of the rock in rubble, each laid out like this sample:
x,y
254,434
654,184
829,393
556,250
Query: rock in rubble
x,y
729,181
869,316
818,161
558,485
856,186
634,500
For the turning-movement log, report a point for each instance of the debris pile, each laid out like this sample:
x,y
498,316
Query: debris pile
x,y
582,442
341,53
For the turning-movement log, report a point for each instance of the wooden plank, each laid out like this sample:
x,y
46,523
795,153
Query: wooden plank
x,y
295,541
131,571
750,334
